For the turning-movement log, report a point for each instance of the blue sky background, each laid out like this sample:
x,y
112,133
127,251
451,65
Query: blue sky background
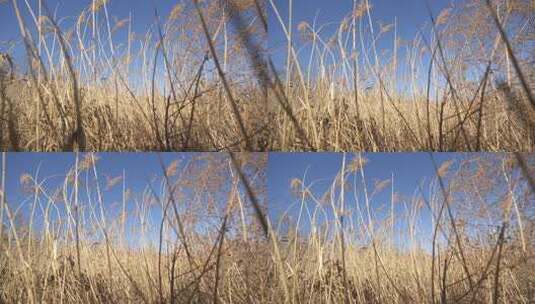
x,y
141,170
143,180
411,15
410,171
143,22
142,13
142,16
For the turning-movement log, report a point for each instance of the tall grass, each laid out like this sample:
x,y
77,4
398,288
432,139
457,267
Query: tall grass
x,y
89,82
464,82
200,78
191,235
465,236
197,233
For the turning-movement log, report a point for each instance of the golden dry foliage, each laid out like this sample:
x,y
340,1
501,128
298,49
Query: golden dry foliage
x,y
162,90
154,91
353,91
186,227
419,252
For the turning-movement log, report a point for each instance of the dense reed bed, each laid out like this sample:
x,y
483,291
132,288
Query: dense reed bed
x,y
90,82
197,233
201,77
191,235
463,83
465,236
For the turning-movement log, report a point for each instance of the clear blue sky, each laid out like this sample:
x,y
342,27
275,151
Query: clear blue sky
x,y
410,170
140,167
142,13
141,170
68,10
411,16
204,176
66,13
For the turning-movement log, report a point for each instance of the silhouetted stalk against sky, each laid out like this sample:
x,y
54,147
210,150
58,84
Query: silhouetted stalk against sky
x,y
446,198
252,196
78,136
233,103
512,57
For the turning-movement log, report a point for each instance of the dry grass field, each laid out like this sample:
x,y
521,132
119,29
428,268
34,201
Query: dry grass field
x,y
189,236
182,85
201,227
458,85
195,234
202,78
468,237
